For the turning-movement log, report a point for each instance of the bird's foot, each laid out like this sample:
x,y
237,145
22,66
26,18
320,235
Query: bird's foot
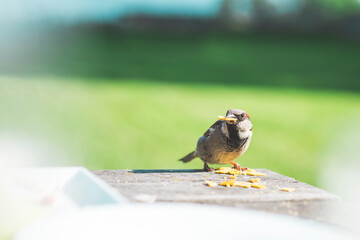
x,y
238,167
207,168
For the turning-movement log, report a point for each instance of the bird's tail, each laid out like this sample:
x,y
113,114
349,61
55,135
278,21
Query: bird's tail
x,y
188,157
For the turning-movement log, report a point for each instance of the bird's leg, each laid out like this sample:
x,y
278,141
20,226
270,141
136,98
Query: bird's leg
x,y
238,167
207,168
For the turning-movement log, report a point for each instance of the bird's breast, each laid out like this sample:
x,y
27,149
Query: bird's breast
x,y
230,152
223,157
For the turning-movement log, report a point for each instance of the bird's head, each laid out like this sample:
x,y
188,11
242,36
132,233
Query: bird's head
x,y
240,118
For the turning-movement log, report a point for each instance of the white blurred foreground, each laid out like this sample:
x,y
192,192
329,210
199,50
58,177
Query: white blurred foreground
x,y
174,221
71,203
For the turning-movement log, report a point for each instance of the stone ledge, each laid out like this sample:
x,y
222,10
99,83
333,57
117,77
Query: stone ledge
x,y
172,185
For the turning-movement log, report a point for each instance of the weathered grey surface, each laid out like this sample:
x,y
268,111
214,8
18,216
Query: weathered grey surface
x,y
189,186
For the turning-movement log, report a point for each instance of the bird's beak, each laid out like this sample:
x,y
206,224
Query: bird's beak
x,y
230,118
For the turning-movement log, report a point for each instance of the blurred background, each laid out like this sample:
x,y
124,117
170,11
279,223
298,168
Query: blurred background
x,y
132,84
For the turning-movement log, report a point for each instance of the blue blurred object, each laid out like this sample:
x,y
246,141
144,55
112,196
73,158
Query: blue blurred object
x,y
86,189
64,188
23,11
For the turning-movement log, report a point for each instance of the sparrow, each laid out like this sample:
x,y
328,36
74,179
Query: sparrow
x,y
226,140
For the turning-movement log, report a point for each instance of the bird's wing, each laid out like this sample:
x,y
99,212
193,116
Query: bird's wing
x,y
212,128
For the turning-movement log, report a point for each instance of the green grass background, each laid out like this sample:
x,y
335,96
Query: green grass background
x,y
109,100
138,124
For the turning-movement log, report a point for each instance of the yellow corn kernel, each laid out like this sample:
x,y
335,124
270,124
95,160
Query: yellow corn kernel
x,y
228,183
254,180
223,168
211,183
253,172
234,172
227,170
230,171
232,177
243,184
227,118
258,185
257,174
285,189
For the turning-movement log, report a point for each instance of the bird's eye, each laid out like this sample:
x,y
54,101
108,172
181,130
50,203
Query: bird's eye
x,y
242,116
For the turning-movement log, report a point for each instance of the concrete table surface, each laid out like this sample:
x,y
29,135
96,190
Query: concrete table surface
x,y
189,186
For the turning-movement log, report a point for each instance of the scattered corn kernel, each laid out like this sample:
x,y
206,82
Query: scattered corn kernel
x,y
254,180
228,183
227,170
285,189
258,185
243,184
211,183
232,177
232,171
224,168
255,174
